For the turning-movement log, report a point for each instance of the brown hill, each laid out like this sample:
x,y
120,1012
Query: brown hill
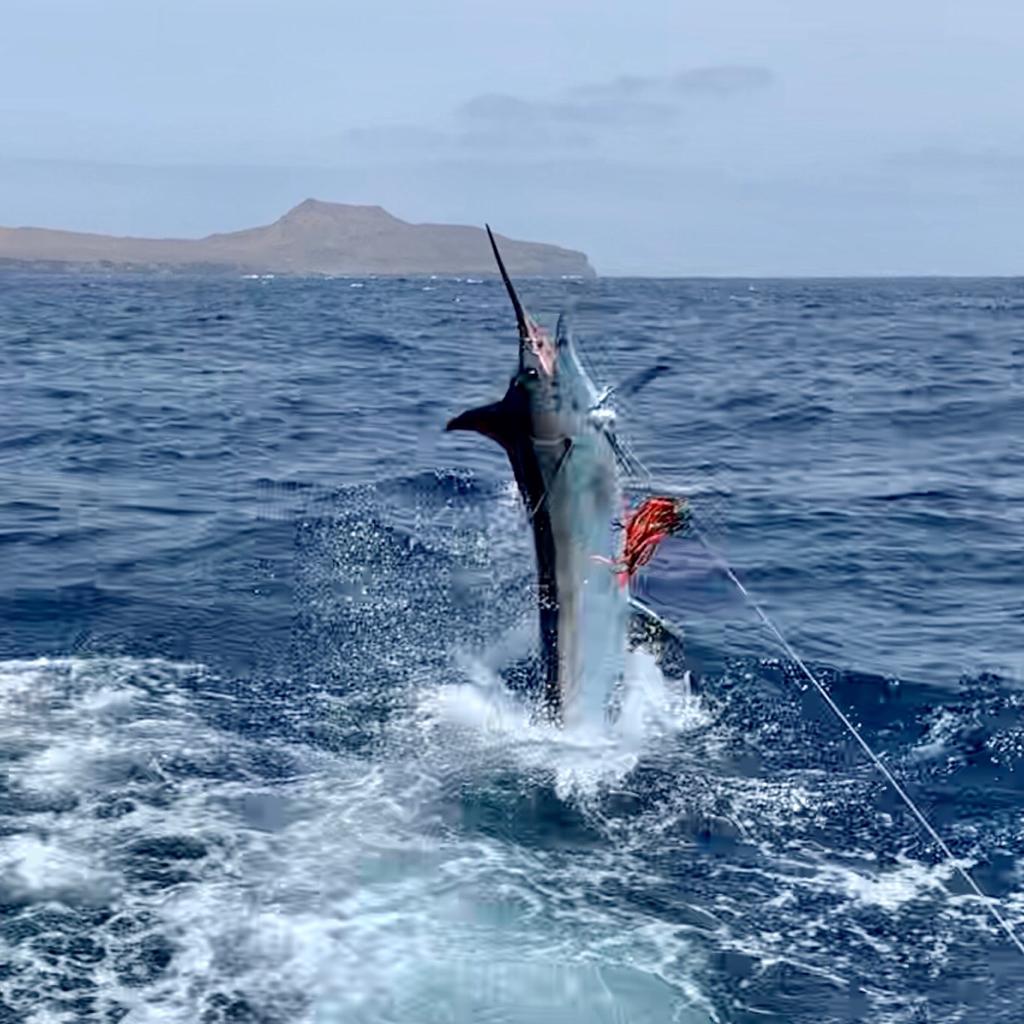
x,y
313,238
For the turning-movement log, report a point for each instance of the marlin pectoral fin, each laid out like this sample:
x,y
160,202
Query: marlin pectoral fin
x,y
496,421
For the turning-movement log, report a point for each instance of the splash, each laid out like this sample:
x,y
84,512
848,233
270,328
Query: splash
x,y
583,758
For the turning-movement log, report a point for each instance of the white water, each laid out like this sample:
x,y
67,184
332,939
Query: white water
x,y
343,888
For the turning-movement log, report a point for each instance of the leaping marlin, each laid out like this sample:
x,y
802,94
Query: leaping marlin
x,y
558,431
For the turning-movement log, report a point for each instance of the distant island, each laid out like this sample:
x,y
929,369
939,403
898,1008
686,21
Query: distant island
x,y
313,238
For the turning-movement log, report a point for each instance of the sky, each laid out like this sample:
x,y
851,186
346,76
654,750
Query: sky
x,y
662,137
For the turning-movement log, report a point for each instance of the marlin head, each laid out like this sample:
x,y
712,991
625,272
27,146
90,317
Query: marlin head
x,y
531,392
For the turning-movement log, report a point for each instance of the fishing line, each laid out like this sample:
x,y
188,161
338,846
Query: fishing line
x,y
562,459
879,764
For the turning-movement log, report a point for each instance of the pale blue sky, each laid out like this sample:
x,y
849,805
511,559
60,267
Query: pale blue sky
x,y
661,136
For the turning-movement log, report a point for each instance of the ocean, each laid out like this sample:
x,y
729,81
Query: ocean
x,y
258,760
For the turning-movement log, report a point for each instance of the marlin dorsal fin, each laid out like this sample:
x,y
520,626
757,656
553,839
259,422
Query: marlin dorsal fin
x,y
635,382
497,421
632,384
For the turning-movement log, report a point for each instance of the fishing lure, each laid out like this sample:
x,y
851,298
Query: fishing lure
x,y
653,520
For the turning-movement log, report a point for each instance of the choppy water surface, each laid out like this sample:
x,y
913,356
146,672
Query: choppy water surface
x,y
257,761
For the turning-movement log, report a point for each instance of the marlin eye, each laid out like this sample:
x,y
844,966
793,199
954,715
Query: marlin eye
x,y
531,372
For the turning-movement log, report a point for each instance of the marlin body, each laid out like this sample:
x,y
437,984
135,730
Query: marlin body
x,y
556,429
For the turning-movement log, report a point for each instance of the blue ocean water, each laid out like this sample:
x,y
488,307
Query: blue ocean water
x,y
258,764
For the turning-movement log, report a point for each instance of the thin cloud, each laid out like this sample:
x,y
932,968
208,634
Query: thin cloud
x,y
398,138
629,100
550,138
582,119
948,161
713,80
723,80
623,86
596,111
